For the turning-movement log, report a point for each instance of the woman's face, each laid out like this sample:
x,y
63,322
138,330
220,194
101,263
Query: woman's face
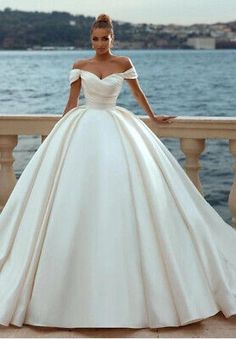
x,y
101,40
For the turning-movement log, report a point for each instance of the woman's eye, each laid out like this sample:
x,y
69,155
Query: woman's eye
x,y
95,39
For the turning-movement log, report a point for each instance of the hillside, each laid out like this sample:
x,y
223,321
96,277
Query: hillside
x,y
23,30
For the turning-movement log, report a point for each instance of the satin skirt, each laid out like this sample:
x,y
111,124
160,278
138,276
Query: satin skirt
x,y
105,229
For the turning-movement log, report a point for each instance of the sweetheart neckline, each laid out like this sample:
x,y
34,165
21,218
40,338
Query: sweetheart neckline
x,y
84,70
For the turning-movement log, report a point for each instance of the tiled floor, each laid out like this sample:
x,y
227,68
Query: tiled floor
x,y
214,327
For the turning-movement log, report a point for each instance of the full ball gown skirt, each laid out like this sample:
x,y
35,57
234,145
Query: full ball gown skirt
x,y
105,229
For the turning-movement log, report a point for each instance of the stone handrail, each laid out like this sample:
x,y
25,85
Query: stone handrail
x,y
192,132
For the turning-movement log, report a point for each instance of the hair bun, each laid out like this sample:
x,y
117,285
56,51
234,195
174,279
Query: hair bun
x,y
104,17
103,21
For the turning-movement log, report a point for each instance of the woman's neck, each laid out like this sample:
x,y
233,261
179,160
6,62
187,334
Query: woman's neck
x,y
103,57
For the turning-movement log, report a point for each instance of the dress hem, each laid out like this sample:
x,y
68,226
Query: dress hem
x,y
188,322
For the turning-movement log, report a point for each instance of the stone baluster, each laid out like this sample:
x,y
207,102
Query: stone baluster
x,y
192,148
232,195
7,175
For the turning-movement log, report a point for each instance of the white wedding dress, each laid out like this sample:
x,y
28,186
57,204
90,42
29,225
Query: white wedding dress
x,y
105,229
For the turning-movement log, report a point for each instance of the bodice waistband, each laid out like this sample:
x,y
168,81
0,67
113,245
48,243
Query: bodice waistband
x,y
99,105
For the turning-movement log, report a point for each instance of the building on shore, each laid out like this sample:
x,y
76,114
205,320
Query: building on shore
x,y
202,43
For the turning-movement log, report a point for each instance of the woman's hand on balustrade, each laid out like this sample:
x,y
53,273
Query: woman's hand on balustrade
x,y
163,118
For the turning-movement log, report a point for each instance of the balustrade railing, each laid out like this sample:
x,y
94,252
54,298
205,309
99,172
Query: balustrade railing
x,y
192,132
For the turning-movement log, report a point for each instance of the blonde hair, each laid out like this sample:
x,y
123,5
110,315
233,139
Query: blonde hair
x,y
103,21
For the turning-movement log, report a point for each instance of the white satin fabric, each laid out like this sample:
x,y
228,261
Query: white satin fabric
x,y
104,228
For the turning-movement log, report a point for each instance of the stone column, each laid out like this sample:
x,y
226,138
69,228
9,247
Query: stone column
x,y
192,148
232,195
7,175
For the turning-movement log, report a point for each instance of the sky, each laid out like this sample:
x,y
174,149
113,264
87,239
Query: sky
x,y
182,12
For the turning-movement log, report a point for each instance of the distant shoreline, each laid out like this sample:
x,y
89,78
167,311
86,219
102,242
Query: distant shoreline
x,y
21,30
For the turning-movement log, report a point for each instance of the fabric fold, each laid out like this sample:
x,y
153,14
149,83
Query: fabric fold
x,y
20,247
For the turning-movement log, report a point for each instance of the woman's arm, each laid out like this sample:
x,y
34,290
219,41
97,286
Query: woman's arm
x,y
143,102
73,96
141,97
74,91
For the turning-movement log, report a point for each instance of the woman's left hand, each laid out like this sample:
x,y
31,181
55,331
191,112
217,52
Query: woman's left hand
x,y
163,118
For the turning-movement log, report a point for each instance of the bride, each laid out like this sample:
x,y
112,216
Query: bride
x,y
104,228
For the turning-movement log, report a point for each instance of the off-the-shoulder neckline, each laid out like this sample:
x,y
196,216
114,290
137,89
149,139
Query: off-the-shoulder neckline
x,y
84,70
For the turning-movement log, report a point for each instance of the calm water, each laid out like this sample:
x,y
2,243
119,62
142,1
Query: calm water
x,y
180,82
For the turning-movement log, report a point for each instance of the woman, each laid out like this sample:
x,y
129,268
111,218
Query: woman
x,y
104,64
104,228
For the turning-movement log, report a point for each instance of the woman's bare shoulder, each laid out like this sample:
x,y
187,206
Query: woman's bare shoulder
x,y
80,63
125,62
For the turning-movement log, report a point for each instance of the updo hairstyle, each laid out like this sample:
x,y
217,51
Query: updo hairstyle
x,y
103,21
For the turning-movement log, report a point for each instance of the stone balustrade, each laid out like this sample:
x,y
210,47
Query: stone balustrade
x,y
191,131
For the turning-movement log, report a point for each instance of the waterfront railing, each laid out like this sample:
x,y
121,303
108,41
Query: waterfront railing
x,y
192,133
